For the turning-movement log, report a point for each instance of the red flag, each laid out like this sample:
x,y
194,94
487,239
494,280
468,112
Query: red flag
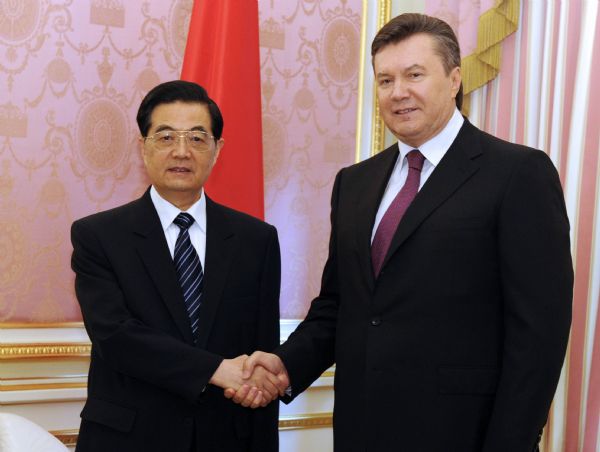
x,y
222,55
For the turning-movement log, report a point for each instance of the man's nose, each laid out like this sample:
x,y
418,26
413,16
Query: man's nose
x,y
181,147
399,90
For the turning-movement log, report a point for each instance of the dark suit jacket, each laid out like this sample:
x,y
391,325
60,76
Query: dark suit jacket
x,y
146,378
458,345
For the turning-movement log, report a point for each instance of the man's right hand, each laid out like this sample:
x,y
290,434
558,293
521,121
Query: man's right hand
x,y
260,367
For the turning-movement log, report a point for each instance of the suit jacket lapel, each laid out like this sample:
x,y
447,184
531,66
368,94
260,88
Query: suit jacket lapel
x,y
220,241
152,247
455,168
369,196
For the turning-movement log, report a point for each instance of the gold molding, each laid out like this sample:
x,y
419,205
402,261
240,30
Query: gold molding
x,y
21,325
67,437
290,422
384,11
361,80
53,377
42,386
305,421
42,350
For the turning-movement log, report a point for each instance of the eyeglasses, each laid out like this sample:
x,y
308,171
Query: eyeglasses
x,y
197,140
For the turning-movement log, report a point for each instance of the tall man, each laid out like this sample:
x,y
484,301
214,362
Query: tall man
x,y
173,287
446,297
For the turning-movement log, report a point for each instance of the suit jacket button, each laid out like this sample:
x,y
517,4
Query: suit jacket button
x,y
376,321
188,421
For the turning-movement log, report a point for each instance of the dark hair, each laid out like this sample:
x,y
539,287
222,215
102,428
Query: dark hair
x,y
178,91
409,24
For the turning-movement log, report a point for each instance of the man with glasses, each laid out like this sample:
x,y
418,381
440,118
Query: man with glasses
x,y
174,290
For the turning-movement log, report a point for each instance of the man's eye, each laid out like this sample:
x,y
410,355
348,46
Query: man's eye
x,y
196,139
414,74
166,138
384,82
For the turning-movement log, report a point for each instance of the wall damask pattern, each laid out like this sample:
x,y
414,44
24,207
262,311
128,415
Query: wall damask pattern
x,y
310,51
72,74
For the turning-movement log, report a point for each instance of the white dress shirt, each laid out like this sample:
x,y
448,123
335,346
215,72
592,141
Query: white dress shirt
x,y
433,151
167,212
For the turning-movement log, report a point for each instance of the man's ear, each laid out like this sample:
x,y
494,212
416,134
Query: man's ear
x,y
141,143
456,79
220,143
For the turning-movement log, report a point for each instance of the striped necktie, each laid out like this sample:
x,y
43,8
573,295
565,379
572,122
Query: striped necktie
x,y
189,270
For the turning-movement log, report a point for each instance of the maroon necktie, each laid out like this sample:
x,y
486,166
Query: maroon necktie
x,y
391,219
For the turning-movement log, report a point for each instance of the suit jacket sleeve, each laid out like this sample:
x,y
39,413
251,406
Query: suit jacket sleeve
x,y
265,436
536,282
122,340
310,349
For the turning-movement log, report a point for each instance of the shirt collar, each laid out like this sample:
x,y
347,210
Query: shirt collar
x,y
434,149
167,212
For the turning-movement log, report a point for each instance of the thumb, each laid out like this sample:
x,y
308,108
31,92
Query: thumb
x,y
248,366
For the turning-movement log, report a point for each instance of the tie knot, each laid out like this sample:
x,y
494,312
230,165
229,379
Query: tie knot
x,y
415,159
184,220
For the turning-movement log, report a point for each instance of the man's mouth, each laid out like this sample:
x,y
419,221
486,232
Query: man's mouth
x,y
179,169
404,111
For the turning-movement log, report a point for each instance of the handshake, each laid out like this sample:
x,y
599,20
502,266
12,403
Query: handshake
x,y
252,381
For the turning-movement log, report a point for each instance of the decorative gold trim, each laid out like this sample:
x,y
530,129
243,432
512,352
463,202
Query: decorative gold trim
x,y
305,421
293,422
53,377
494,26
361,80
483,64
67,437
20,325
42,386
378,140
41,350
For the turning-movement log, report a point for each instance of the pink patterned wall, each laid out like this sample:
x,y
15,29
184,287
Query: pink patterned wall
x,y
72,75
309,69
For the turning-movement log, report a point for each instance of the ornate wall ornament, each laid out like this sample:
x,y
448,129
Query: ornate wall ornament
x,y
340,48
20,23
102,147
274,142
107,12
101,135
19,19
7,182
338,53
179,23
272,34
13,121
12,254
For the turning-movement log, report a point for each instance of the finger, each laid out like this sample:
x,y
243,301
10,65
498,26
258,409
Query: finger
x,y
229,393
269,390
267,382
241,394
258,400
248,366
283,382
265,402
249,400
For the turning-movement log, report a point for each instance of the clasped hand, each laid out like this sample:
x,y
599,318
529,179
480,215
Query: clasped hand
x,y
252,381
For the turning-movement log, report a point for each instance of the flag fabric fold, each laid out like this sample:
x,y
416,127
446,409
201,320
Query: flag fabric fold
x,y
222,55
